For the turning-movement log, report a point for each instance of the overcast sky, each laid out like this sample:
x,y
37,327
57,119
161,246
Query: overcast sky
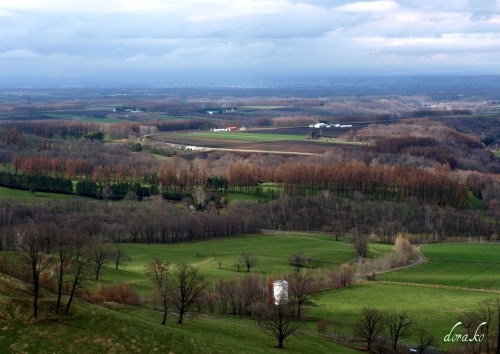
x,y
175,41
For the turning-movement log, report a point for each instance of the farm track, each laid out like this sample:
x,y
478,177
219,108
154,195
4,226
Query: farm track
x,y
420,260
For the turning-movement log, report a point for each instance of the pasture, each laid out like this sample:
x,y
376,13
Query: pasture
x,y
27,196
435,309
215,258
460,265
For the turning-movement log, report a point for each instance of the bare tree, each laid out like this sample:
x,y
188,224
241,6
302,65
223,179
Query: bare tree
x,y
300,260
249,260
6,217
399,326
369,326
119,256
280,322
33,243
497,315
101,249
238,263
486,311
300,286
472,321
79,271
158,271
359,240
63,257
186,288
425,341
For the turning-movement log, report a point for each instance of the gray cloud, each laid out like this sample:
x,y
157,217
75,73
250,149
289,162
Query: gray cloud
x,y
155,38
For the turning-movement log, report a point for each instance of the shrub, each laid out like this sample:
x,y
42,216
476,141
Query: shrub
x,y
119,293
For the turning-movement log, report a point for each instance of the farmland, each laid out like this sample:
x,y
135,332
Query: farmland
x,y
459,265
433,308
261,140
155,182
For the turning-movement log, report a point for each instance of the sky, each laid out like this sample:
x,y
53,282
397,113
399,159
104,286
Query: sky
x,y
190,41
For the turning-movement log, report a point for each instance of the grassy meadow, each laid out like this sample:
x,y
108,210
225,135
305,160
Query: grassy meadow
x,y
460,265
272,250
243,135
434,308
435,294
17,194
93,329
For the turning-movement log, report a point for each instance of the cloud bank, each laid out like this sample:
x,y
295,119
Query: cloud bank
x,y
186,40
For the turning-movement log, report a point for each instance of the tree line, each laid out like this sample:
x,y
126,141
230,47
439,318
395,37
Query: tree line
x,y
377,182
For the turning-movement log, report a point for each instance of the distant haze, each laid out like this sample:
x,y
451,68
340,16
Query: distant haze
x,y
95,42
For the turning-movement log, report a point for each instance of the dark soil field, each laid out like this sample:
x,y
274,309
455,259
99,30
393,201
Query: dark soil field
x,y
286,146
330,132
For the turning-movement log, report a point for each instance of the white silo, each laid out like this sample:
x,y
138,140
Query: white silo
x,y
280,291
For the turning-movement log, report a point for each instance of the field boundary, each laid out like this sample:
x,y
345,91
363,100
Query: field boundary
x,y
437,286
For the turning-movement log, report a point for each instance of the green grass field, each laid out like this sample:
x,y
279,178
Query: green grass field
x,y
232,197
273,251
435,309
432,304
84,118
462,265
475,202
157,116
28,196
244,136
259,108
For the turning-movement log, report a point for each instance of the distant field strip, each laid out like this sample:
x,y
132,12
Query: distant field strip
x,y
256,108
461,265
243,136
17,194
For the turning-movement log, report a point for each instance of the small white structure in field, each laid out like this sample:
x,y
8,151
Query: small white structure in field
x,y
280,291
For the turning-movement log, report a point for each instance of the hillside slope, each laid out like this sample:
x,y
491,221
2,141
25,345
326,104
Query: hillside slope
x,y
93,329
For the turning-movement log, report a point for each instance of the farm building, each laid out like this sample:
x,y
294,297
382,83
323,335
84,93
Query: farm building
x,y
319,125
228,129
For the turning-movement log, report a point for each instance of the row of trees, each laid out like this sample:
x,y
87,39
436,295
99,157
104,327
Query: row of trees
x,y
377,182
36,182
60,258
159,221
182,290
